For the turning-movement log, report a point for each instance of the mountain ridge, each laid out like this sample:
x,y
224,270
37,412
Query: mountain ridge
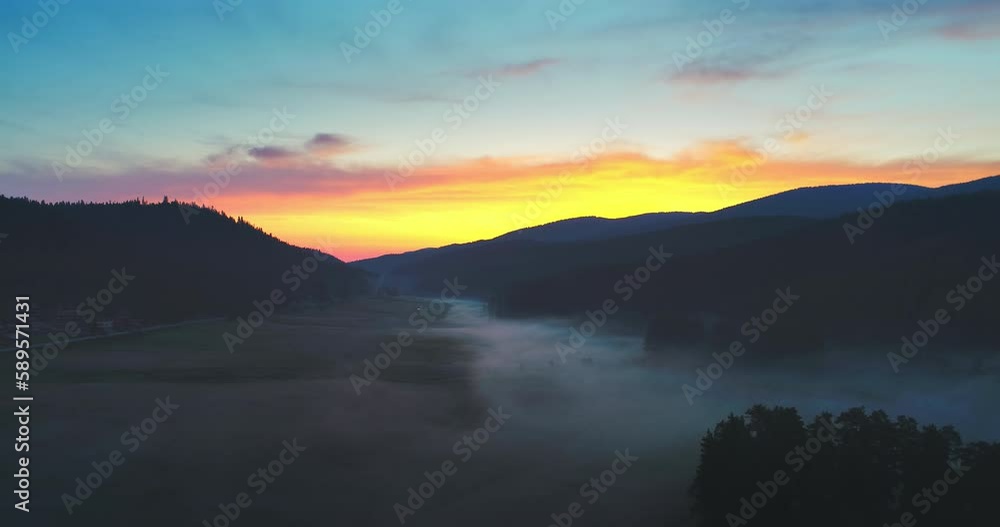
x,y
817,202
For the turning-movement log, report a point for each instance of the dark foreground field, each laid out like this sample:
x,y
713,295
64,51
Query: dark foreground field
x,y
290,383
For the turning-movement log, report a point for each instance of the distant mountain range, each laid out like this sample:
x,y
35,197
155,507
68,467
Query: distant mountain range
x,y
907,265
810,202
870,287
408,270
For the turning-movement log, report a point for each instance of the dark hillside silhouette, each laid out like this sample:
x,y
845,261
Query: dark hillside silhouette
x,y
815,203
492,267
594,228
63,253
897,273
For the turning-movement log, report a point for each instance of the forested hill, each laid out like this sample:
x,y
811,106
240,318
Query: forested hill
x,y
187,261
915,259
490,266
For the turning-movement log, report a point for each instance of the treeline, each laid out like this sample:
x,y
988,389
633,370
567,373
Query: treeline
x,y
62,254
768,467
904,269
492,267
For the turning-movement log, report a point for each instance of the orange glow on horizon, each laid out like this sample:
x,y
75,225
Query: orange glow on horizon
x,y
485,198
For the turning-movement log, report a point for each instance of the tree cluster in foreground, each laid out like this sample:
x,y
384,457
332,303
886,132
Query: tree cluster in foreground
x,y
770,468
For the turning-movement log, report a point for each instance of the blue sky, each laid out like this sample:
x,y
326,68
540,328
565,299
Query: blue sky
x,y
892,90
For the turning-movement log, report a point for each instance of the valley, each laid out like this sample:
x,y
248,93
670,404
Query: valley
x,y
568,417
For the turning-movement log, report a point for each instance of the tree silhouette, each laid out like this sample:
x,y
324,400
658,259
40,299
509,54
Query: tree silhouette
x,y
856,469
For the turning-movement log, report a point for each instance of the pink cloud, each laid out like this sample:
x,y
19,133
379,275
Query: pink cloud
x,y
970,31
527,68
518,69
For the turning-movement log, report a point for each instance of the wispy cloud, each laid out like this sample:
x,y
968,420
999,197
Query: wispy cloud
x,y
270,152
527,68
517,69
968,30
329,144
707,73
766,55
318,149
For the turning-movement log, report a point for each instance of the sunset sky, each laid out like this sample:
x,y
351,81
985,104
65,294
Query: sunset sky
x,y
510,113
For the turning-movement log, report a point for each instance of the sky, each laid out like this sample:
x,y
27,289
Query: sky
x,y
368,127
